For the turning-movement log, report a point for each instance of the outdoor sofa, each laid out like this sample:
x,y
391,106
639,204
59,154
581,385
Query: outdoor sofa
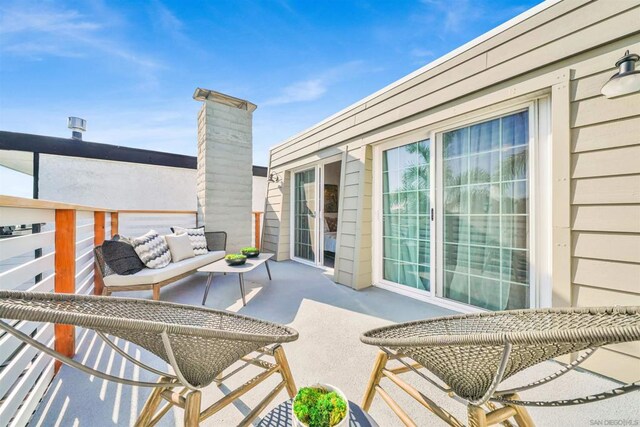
x,y
156,278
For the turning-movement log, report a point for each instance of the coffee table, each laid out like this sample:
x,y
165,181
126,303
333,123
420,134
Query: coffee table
x,y
280,416
221,266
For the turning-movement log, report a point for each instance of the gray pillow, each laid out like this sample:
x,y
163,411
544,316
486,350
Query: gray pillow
x,y
121,257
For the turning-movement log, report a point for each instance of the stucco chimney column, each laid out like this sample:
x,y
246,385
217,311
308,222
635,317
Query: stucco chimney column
x,y
225,159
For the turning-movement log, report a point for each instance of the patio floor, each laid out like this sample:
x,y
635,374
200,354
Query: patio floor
x,y
330,318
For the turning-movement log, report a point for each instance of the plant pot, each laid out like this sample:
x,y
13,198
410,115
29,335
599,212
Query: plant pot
x,y
345,420
251,254
234,262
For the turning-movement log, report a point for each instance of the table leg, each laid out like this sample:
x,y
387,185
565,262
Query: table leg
x,y
266,264
244,302
206,290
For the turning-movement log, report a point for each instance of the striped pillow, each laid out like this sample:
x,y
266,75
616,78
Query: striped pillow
x,y
196,236
152,250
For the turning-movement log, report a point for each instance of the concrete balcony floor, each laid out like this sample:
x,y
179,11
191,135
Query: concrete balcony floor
x,y
330,319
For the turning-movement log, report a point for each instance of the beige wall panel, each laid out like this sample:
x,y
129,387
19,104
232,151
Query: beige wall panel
x,y
349,227
616,161
604,57
606,190
590,87
606,135
348,240
349,216
617,218
350,203
351,191
559,28
607,246
601,109
585,296
615,365
611,275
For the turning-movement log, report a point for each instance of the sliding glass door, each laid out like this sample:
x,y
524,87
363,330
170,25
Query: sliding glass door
x,y
481,200
486,213
304,210
406,210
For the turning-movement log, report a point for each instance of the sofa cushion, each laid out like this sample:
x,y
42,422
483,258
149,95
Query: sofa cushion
x,y
121,257
151,276
179,246
152,250
196,236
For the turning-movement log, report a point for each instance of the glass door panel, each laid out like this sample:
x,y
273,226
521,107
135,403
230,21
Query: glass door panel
x,y
305,206
406,215
486,213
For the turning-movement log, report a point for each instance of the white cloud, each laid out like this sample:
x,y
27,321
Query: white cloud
x,y
421,53
316,86
36,31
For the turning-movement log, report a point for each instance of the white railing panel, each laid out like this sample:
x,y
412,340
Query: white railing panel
x,y
84,257
84,216
21,361
83,272
85,287
14,278
25,394
19,245
20,216
9,344
45,285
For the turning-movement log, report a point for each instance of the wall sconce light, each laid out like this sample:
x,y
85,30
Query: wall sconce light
x,y
626,80
274,177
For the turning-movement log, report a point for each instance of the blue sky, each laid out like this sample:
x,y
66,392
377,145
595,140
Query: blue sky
x,y
130,68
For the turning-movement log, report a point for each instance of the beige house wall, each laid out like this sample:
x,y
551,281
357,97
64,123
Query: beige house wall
x,y
566,51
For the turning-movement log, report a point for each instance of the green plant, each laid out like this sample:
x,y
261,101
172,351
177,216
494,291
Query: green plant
x,y
235,257
249,249
319,407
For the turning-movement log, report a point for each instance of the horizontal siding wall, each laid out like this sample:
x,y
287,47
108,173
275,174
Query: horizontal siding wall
x,y
578,40
605,206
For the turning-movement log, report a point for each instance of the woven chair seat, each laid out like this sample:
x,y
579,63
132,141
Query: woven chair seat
x,y
465,351
204,341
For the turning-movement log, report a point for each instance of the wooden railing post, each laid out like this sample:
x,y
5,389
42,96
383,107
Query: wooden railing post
x,y
114,223
65,276
98,238
256,216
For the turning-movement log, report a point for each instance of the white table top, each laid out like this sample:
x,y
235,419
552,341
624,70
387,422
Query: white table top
x,y
221,265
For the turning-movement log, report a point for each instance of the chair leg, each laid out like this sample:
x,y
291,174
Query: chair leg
x,y
285,370
374,379
192,409
522,417
156,292
477,416
151,405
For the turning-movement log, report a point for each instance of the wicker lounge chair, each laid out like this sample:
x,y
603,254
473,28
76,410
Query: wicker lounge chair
x,y
473,354
198,343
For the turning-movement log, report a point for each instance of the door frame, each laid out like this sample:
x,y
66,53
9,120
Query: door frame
x,y
540,230
318,166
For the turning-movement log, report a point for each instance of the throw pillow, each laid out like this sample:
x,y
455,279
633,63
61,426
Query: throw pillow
x,y
179,246
196,236
152,250
121,257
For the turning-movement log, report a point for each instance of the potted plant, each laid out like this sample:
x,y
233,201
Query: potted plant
x,y
250,252
320,405
235,259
